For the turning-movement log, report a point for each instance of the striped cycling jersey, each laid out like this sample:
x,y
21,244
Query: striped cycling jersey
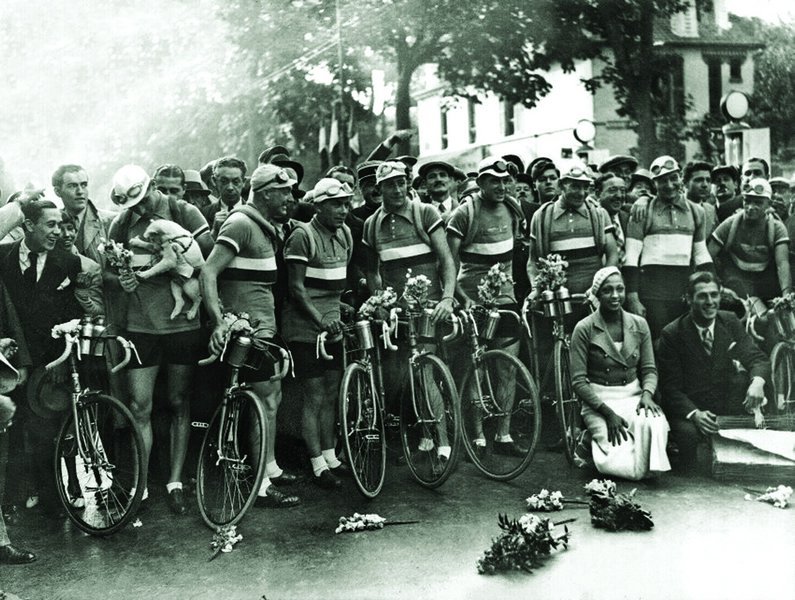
x,y
394,236
572,234
492,243
754,244
665,247
245,285
325,257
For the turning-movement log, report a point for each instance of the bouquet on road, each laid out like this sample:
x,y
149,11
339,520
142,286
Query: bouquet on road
x,y
522,544
616,512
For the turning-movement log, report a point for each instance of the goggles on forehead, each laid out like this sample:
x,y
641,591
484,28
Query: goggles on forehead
x,y
757,190
389,169
280,176
500,166
131,193
668,165
338,189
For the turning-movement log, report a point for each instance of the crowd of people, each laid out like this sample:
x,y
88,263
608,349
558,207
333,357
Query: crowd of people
x,y
653,354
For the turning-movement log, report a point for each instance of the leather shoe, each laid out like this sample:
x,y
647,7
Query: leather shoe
x,y
275,498
509,449
327,480
342,470
176,502
440,465
286,479
9,555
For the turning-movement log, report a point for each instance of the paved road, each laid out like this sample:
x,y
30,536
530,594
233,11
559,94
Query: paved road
x,y
707,543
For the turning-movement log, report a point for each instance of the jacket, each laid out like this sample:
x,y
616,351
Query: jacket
x,y
691,379
595,359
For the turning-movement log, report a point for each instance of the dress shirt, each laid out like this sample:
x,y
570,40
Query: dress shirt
x,y
24,261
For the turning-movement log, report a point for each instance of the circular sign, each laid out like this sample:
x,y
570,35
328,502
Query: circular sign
x,y
585,131
734,105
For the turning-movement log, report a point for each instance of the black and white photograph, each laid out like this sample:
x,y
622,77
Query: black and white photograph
x,y
397,299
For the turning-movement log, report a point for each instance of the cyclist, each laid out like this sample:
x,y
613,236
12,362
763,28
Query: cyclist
x,y
581,232
160,340
317,256
406,234
661,247
240,273
482,233
754,247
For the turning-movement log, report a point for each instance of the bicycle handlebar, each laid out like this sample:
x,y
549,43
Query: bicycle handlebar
x,y
456,322
129,349
320,347
70,342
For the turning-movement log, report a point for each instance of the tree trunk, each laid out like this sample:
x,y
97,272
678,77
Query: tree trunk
x,y
640,92
405,70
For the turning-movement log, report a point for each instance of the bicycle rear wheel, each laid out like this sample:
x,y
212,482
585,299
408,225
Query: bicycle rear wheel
x,y
500,397
362,424
782,360
429,427
231,460
101,488
567,405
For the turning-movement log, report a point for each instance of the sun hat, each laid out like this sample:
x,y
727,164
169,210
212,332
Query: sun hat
x,y
130,184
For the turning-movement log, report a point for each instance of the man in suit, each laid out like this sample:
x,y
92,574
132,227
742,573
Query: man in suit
x,y
41,279
698,376
229,177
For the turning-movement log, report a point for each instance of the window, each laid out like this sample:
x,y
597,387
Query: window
x,y
473,132
508,122
445,139
736,70
714,85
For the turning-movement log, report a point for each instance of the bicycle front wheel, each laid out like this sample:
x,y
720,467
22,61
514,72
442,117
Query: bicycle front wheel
x,y
99,465
782,360
362,425
429,427
231,460
567,406
499,398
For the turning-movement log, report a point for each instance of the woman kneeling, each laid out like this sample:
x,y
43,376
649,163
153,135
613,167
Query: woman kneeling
x,y
614,375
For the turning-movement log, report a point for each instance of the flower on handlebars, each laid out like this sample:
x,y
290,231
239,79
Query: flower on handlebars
x,y
69,328
378,304
490,287
786,302
551,273
237,322
116,255
417,289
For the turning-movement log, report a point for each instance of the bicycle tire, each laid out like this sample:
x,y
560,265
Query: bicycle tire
x,y
782,360
362,426
482,415
567,405
226,489
424,462
110,488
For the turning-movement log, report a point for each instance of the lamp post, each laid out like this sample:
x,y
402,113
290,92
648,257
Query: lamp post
x,y
734,106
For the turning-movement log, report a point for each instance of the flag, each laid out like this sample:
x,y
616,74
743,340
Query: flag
x,y
353,140
334,138
322,148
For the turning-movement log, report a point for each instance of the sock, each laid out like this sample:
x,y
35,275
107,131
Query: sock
x,y
319,465
272,469
445,451
480,441
174,485
503,438
263,487
426,444
331,458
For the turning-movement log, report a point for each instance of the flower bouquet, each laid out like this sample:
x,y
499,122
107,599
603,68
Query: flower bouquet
x,y
224,539
551,273
783,311
522,544
491,285
416,292
117,256
616,512
377,306
777,496
360,522
546,501
68,329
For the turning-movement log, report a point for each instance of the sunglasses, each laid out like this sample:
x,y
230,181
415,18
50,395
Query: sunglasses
x,y
131,193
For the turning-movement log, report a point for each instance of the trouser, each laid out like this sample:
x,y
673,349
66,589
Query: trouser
x,y
661,312
4,541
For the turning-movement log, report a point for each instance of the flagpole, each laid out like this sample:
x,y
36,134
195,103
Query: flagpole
x,y
340,113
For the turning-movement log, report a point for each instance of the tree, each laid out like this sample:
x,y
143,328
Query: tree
x,y
773,102
521,40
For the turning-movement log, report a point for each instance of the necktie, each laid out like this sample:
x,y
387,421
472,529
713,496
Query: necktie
x,y
706,338
30,273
